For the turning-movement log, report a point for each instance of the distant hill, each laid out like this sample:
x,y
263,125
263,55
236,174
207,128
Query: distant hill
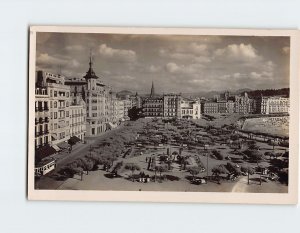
x,y
210,94
270,92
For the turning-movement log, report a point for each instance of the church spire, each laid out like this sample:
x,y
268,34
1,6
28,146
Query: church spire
x,y
90,73
152,90
91,60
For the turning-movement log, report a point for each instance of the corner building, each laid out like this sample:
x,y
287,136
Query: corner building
x,y
98,99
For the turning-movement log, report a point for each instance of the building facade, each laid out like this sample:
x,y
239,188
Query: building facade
x,y
98,99
190,109
42,134
78,118
59,102
273,105
171,105
209,107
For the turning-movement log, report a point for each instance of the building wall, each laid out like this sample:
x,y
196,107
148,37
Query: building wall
x,y
78,120
59,102
190,109
171,105
210,107
153,107
42,134
275,104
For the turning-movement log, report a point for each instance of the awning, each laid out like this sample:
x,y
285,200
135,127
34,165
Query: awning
x,y
43,152
63,145
56,147
73,140
111,125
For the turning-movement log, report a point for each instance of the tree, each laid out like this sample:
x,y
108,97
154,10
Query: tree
x,y
194,171
248,170
87,164
132,167
218,155
255,155
252,145
117,167
169,163
218,170
183,162
161,169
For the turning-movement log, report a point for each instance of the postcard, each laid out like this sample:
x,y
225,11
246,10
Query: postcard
x,y
163,115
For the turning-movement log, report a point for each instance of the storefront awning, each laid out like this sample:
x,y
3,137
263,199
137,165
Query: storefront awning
x,y
56,147
63,145
44,151
73,140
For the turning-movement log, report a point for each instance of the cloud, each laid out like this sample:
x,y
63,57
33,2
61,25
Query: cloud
x,y
286,50
154,69
237,52
117,54
44,59
192,52
172,67
74,48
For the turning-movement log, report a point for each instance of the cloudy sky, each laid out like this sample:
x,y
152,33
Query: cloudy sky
x,y
186,64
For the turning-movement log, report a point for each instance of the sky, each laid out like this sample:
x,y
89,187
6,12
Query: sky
x,y
175,63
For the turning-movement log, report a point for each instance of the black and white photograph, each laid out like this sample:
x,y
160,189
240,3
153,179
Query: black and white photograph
x,y
161,112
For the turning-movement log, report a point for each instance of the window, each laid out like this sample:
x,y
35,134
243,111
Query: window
x,y
50,93
55,104
50,104
67,113
55,93
55,115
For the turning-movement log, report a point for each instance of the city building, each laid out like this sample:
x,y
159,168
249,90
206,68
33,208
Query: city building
x,y
153,105
42,134
190,109
59,101
244,105
120,110
171,105
78,118
98,99
273,105
127,106
209,107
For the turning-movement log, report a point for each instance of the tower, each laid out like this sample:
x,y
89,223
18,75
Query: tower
x,y
90,73
152,90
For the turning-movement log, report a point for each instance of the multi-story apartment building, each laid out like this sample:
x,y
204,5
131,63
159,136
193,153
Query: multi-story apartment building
x,y
171,105
127,107
78,118
136,101
42,135
190,109
222,106
120,110
230,106
244,105
209,107
59,101
274,104
153,107
98,99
